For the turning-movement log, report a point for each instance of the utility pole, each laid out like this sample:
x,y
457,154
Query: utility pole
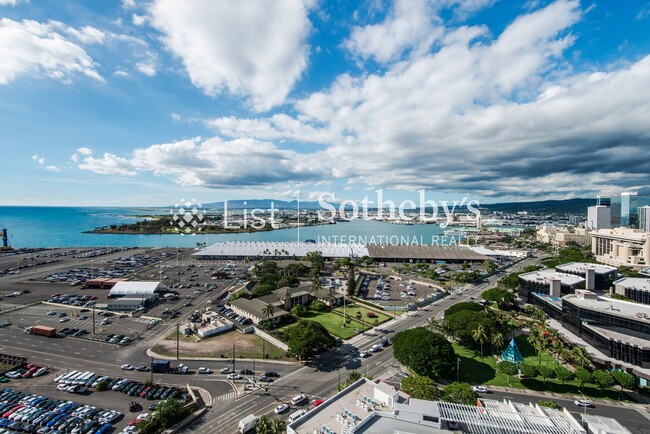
x,y
151,370
178,333
233,357
93,320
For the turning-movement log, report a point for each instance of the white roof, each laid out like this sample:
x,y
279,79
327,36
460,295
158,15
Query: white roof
x,y
285,249
545,277
134,288
634,283
582,267
602,424
611,306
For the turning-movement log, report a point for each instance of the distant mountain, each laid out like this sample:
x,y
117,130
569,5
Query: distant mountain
x,y
261,204
567,206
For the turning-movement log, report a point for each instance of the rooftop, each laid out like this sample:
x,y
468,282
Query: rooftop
x,y
256,308
545,277
582,267
625,234
610,306
134,288
284,249
599,424
634,283
622,335
443,253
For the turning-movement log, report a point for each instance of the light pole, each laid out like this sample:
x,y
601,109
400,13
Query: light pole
x,y
93,320
178,335
457,369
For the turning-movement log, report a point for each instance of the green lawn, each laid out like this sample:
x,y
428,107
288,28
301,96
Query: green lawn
x,y
333,321
477,370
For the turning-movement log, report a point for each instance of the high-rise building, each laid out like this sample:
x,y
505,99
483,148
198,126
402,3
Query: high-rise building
x,y
598,217
625,209
644,218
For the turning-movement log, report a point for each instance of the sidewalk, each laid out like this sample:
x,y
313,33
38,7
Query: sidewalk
x,y
155,355
551,395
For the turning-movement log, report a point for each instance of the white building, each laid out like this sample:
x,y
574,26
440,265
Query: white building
x,y
621,247
644,218
560,235
367,407
599,217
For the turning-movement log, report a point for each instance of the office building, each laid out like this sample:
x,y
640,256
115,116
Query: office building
x,y
644,218
548,282
597,276
372,408
624,209
634,288
598,217
561,235
621,247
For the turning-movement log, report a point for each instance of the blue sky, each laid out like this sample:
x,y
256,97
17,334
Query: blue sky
x,y
147,102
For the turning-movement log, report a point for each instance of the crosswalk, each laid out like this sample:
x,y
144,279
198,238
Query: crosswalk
x,y
644,413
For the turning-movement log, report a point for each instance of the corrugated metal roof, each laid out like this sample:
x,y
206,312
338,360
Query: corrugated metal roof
x,y
134,288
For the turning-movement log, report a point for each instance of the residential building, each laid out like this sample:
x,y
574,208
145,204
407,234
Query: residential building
x,y
634,288
255,309
368,407
644,218
621,247
599,217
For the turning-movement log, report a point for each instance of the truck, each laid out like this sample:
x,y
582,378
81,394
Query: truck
x,y
43,331
248,423
165,367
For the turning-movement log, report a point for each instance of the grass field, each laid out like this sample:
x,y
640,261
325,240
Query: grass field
x,y
477,370
333,321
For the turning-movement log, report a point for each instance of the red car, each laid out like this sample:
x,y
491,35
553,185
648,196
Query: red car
x,y
318,402
144,392
371,315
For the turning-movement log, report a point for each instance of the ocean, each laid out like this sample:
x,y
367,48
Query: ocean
x,y
64,227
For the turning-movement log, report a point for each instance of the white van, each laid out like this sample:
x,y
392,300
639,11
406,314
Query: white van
x,y
296,415
298,399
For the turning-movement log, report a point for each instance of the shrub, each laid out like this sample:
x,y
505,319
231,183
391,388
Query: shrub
x,y
318,306
528,371
550,404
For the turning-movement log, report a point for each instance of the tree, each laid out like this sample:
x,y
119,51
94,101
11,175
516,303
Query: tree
x,y
262,289
584,376
563,374
299,310
352,377
545,372
265,268
624,379
582,355
550,404
296,269
317,260
317,306
424,352
307,338
604,379
460,393
263,426
268,311
169,412
507,368
497,341
420,387
498,295
278,426
528,371
290,281
480,335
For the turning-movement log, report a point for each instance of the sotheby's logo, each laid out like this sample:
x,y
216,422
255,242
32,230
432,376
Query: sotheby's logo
x,y
187,217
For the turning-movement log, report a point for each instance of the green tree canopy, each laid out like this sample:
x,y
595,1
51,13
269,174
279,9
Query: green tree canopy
x,y
528,371
299,310
467,305
290,281
584,376
296,269
604,379
420,387
498,295
507,367
545,372
318,306
462,325
424,352
624,379
460,393
550,404
169,412
307,338
263,289
563,374
264,268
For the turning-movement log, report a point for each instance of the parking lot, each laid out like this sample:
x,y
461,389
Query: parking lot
x,y
394,291
78,318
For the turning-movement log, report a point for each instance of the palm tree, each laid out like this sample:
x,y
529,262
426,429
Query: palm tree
x,y
286,299
268,311
353,376
263,426
278,426
497,341
480,336
582,354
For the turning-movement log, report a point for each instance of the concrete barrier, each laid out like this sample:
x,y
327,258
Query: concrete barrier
x,y
278,343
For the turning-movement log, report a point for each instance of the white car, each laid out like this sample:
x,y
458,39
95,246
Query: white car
x,y
480,389
127,367
225,370
233,376
281,408
204,370
375,348
582,403
364,354
64,319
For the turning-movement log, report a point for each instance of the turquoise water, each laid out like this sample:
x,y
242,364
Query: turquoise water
x,y
64,226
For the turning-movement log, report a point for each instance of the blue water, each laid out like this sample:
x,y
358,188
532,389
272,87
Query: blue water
x,y
64,227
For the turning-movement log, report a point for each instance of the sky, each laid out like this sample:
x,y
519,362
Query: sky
x,y
145,103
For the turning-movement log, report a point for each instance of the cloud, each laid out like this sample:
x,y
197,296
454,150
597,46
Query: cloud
x,y
53,168
85,151
213,163
108,164
410,25
9,2
39,160
30,47
644,12
138,20
255,48
129,4
121,73
147,67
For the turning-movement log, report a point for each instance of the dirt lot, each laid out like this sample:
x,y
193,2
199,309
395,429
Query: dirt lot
x,y
246,346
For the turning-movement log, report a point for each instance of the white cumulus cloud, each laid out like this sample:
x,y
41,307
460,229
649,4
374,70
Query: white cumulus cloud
x,y
254,48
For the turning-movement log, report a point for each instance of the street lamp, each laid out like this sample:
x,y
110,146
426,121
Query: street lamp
x,y
457,369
